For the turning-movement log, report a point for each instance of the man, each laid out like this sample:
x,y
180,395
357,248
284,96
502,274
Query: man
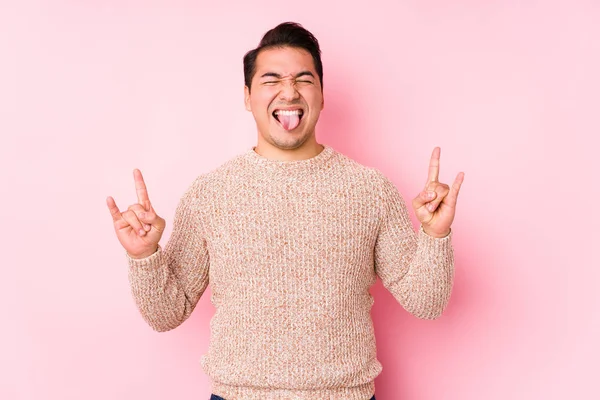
x,y
290,235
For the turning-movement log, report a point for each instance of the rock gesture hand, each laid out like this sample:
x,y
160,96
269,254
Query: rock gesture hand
x,y
436,204
138,229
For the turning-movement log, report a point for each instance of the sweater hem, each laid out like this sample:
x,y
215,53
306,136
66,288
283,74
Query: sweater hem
x,y
230,392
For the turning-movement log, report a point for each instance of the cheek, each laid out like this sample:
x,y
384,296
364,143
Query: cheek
x,y
311,93
314,101
260,103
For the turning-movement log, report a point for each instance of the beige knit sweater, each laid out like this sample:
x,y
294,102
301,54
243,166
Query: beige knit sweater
x,y
290,249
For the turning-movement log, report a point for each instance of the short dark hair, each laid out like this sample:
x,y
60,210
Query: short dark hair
x,y
287,34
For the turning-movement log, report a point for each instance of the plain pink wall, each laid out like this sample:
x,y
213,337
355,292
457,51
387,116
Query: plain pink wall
x,y
90,90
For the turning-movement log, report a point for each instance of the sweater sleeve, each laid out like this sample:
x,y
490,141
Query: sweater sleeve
x,y
416,268
167,285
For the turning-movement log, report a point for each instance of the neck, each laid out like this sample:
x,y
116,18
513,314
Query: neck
x,y
304,152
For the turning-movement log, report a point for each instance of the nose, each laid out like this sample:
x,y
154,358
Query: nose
x,y
288,90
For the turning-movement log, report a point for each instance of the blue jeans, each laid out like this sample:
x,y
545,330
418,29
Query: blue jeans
x,y
215,397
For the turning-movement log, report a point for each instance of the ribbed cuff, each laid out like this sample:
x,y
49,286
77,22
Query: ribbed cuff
x,y
437,245
149,263
421,230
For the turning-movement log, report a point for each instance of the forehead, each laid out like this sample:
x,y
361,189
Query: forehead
x,y
284,61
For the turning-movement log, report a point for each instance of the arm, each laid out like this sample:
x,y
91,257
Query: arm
x,y
167,285
416,268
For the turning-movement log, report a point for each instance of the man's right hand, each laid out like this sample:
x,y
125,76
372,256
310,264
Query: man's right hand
x,y
138,229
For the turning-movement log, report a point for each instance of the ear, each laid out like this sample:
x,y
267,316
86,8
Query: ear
x,y
247,98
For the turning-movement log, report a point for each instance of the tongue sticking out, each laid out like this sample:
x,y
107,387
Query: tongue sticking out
x,y
289,122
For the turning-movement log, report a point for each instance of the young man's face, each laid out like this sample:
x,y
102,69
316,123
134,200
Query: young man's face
x,y
285,98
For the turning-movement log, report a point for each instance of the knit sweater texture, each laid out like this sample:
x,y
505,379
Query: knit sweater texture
x,y
290,250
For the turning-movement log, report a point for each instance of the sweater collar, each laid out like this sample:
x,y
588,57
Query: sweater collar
x,y
312,163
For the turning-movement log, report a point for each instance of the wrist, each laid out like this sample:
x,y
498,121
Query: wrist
x,y
435,234
143,255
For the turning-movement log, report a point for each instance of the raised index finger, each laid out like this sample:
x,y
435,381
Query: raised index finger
x,y
434,165
140,188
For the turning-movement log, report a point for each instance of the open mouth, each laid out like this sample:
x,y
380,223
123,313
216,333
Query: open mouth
x,y
289,119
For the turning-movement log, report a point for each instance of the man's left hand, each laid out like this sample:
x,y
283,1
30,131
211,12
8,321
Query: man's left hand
x,y
435,206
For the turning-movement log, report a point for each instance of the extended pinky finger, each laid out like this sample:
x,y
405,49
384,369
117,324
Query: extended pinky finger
x,y
114,210
455,189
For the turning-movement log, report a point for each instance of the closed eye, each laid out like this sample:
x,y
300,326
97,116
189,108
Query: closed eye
x,y
297,81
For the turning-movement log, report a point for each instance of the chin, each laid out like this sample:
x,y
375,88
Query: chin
x,y
288,144
291,142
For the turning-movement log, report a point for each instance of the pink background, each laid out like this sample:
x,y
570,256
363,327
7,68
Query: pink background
x,y
508,89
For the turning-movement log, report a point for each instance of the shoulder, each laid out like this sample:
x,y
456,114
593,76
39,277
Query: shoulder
x,y
232,168
217,179
369,180
361,173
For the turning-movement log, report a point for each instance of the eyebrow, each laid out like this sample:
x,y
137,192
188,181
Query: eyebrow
x,y
278,76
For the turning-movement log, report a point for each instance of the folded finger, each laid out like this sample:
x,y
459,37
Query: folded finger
x,y
441,191
147,218
142,215
423,198
134,222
